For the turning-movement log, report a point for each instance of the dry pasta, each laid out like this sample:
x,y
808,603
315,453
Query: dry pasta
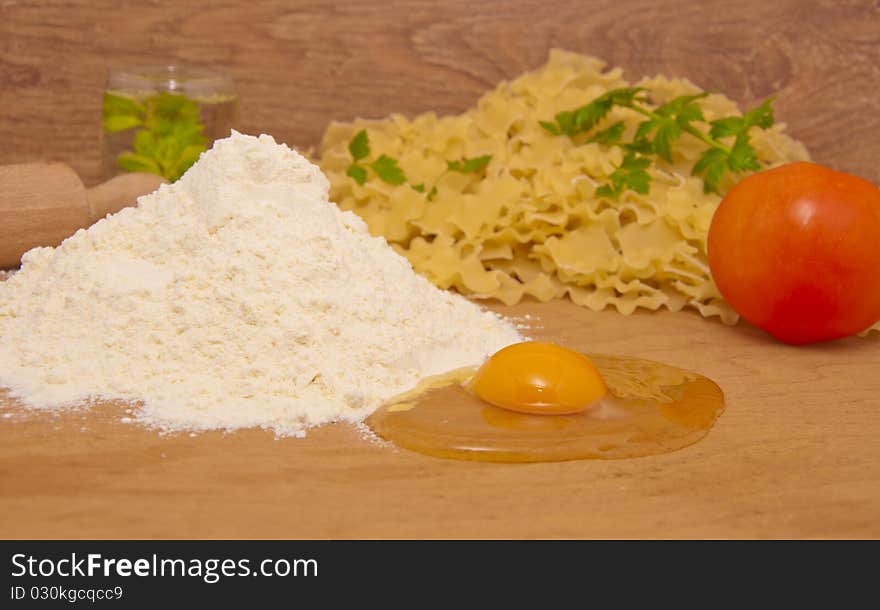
x,y
532,225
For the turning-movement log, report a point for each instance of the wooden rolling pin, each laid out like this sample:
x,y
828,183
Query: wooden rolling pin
x,y
43,203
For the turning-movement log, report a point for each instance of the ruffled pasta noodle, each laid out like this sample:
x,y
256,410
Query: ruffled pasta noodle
x,y
532,224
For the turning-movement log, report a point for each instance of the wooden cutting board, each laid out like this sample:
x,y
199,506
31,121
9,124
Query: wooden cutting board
x,y
795,455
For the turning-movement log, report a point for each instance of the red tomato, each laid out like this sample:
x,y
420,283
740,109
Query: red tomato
x,y
795,250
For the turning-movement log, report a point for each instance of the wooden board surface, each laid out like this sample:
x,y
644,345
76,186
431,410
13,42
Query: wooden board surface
x,y
794,455
301,64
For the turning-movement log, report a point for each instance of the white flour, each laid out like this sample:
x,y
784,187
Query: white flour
x,y
236,297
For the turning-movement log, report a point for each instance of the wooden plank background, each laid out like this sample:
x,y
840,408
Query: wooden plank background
x,y
299,64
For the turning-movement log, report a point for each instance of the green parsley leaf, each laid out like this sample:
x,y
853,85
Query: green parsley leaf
x,y
641,146
668,132
419,188
760,116
586,117
671,119
631,174
358,173
432,194
551,127
657,135
608,136
388,170
469,166
565,122
573,122
359,147
625,95
606,191
742,156
726,127
711,167
684,108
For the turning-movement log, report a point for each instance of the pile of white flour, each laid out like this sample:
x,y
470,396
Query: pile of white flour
x,y
237,297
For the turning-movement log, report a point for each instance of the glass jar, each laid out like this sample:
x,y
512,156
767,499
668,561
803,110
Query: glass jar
x,y
159,119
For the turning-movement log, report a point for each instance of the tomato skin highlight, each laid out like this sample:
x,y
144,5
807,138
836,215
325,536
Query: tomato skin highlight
x,y
795,250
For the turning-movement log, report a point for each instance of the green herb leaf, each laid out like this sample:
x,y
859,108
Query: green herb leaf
x,y
657,135
419,188
187,157
761,116
684,108
668,132
608,136
631,174
469,166
711,167
432,194
573,122
145,143
742,156
166,154
120,105
358,173
726,127
138,163
171,138
624,96
186,133
551,127
388,170
669,122
565,122
606,191
641,146
359,147
586,117
174,107
113,124
639,181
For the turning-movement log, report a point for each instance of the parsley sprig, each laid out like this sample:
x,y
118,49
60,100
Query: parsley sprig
x,y
385,167
657,134
388,170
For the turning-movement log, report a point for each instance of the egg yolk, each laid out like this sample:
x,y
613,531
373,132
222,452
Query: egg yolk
x,y
539,378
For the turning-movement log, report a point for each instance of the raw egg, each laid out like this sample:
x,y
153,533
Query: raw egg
x,y
634,408
539,378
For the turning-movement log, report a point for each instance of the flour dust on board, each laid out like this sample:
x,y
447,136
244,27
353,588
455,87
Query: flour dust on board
x,y
237,297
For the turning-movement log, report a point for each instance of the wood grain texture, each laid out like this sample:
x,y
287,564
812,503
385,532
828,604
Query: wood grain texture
x,y
301,64
795,455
